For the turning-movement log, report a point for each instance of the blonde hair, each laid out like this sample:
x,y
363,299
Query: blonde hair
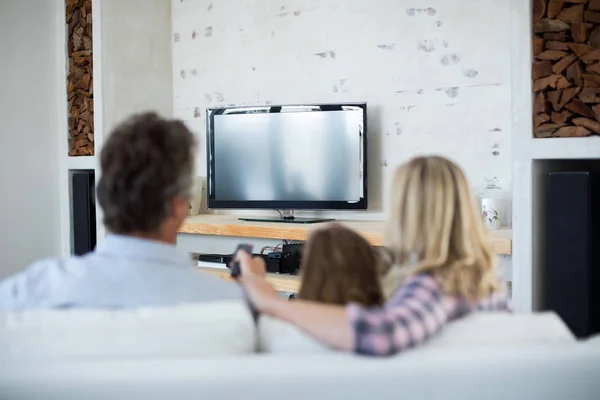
x,y
435,228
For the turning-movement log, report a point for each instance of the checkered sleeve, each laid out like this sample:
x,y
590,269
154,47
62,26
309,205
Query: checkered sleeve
x,y
411,317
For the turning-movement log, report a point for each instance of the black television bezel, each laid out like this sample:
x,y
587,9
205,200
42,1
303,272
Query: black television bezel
x,y
214,204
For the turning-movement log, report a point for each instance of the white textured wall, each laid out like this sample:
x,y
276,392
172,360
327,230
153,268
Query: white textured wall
x,y
435,74
132,66
30,83
136,58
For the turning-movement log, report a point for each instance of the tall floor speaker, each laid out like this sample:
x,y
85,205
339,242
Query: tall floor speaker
x,y
83,211
572,278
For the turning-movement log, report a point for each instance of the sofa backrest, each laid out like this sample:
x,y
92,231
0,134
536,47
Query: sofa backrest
x,y
194,330
224,328
477,329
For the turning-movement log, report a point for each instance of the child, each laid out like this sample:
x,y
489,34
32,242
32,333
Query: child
x,y
444,268
339,267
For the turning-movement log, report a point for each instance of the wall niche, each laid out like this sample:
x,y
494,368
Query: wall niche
x,y
566,68
80,88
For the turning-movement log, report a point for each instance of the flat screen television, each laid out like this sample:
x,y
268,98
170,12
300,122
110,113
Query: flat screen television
x,y
287,157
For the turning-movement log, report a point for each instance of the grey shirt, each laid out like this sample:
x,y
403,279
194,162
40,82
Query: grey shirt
x,y
123,272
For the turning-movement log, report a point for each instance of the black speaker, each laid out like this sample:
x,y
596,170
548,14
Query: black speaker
x,y
83,211
572,277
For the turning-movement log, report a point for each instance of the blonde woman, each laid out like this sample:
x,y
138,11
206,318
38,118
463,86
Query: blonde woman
x,y
444,268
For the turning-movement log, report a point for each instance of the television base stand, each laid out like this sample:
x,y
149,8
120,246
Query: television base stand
x,y
292,220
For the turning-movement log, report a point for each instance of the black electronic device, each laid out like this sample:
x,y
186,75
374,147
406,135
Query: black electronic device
x,y
309,157
572,275
83,211
216,258
291,258
235,265
272,264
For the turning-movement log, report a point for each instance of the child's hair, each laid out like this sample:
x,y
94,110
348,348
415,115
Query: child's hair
x,y
434,227
338,267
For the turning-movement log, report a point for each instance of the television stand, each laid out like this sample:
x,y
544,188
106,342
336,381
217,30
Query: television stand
x,y
286,216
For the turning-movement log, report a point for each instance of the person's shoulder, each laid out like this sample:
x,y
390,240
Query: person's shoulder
x,y
420,286
421,282
27,287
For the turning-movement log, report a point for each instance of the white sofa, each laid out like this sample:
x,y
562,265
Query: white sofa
x,y
208,352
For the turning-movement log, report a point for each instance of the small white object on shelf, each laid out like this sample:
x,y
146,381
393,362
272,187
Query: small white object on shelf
x,y
495,206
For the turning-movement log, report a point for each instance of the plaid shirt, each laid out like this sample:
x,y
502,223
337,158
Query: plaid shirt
x,y
417,311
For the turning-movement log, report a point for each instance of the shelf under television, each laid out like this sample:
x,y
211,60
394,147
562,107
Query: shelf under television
x,y
373,231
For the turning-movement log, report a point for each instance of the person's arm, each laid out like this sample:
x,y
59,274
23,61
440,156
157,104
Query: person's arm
x,y
415,314
326,323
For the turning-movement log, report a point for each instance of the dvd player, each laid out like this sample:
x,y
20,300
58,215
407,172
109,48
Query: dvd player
x,y
273,264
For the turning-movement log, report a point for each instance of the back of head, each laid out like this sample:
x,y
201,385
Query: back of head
x,y
146,163
434,227
338,267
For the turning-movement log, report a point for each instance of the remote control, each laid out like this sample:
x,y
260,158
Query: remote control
x,y
236,271
234,265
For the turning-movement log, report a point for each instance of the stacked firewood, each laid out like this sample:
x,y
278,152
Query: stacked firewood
x,y
566,68
80,87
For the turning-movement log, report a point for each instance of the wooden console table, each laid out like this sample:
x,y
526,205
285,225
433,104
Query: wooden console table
x,y
282,283
373,231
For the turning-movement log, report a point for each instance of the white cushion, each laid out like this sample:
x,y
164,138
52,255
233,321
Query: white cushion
x,y
477,329
276,336
498,328
195,330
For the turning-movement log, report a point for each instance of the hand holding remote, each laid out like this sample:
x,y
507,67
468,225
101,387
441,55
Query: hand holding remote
x,y
235,265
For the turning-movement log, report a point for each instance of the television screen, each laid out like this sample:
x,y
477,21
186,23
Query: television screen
x,y
287,157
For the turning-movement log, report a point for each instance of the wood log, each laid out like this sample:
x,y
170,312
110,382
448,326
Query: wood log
x,y
541,104
551,55
557,36
574,74
594,39
538,45
595,68
591,79
541,69
580,49
562,83
549,127
550,25
543,134
560,117
572,14
591,16
80,77
554,99
580,108
596,110
556,45
539,9
589,95
567,95
546,130
543,83
591,57
588,123
565,62
572,131
555,7
579,32
540,119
